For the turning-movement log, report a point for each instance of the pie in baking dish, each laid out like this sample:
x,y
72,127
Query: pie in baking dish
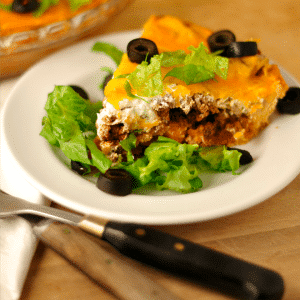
x,y
46,26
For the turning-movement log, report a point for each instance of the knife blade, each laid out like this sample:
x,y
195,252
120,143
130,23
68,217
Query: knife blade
x,y
179,257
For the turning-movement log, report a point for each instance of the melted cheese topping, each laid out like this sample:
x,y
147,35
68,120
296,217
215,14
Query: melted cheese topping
x,y
171,34
242,83
115,92
250,79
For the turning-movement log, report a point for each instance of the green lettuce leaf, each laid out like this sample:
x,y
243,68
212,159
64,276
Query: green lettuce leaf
x,y
167,164
191,73
128,144
182,175
44,5
198,66
128,89
181,180
113,52
210,61
6,7
170,59
218,159
70,125
146,79
134,168
110,50
47,132
108,71
75,148
76,4
174,166
99,160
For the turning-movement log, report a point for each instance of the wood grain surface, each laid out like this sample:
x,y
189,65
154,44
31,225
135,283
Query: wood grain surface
x,y
102,263
267,234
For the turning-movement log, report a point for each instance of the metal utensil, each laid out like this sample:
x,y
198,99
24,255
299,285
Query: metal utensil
x,y
94,257
163,251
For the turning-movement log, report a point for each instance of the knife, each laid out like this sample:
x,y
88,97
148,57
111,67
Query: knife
x,y
179,257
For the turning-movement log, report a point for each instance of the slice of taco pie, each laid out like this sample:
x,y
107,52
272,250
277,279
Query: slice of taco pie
x,y
185,82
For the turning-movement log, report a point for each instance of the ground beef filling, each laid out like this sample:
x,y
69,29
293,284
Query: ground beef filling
x,y
213,127
212,130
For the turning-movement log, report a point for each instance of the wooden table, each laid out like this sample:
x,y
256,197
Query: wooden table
x,y
267,234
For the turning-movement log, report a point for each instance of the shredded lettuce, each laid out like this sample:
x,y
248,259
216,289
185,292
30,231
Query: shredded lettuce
x,y
128,89
173,58
115,54
76,4
6,7
210,61
70,125
108,71
218,159
129,144
191,73
165,163
197,66
99,160
44,5
174,166
146,79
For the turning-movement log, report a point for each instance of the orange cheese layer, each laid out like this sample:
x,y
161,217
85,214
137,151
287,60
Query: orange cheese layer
x,y
11,22
242,83
249,80
171,34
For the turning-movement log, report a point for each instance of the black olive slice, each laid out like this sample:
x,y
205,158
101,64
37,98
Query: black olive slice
x,y
246,157
140,49
25,6
79,90
220,40
78,167
116,182
241,49
290,103
106,80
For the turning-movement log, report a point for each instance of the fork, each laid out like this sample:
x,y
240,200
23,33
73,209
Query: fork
x,y
10,206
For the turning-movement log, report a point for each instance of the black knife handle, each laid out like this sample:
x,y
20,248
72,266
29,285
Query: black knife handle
x,y
188,260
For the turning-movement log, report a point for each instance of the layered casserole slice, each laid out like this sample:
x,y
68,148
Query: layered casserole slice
x,y
224,110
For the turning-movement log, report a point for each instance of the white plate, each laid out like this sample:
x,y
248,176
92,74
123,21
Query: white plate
x,y
275,151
